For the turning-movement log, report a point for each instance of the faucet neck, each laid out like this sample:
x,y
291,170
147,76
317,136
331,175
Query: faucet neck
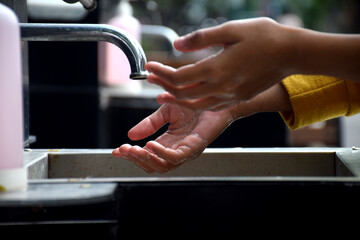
x,y
90,32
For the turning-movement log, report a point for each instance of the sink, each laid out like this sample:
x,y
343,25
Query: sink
x,y
235,162
239,191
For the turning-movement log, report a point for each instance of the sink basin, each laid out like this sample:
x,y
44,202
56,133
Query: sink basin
x,y
237,162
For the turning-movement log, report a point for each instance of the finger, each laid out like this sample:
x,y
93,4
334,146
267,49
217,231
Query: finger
x,y
159,69
187,92
204,38
174,156
116,153
188,74
148,126
145,157
203,104
202,90
178,154
123,151
165,85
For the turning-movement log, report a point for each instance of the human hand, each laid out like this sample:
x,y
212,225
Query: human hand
x,y
189,132
187,136
254,57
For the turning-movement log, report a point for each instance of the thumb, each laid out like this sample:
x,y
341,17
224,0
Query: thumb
x,y
147,126
204,38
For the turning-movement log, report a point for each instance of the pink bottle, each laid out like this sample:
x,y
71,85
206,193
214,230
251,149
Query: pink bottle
x,y
12,173
114,68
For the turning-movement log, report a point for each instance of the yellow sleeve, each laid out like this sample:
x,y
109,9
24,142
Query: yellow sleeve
x,y
318,98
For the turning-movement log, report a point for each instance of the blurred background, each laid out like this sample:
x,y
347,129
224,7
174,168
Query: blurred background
x,y
74,101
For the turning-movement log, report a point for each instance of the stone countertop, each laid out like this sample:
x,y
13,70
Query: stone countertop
x,y
98,164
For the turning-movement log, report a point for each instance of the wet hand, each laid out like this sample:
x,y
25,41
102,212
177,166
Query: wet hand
x,y
188,134
254,57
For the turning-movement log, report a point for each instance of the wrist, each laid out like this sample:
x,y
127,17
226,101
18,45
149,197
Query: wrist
x,y
274,99
301,49
242,109
292,50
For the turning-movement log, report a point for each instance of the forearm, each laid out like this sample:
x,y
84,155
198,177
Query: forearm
x,y
274,99
316,53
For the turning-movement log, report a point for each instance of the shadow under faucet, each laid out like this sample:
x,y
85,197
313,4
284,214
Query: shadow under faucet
x,y
90,32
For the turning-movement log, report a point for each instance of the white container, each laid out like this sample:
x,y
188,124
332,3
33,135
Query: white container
x,y
114,67
12,172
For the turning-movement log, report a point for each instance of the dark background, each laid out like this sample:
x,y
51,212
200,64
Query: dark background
x,y
64,103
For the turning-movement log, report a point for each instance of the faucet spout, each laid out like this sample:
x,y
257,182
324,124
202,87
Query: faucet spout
x,y
90,32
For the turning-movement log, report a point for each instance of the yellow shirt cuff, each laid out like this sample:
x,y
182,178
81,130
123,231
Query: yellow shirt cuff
x,y
316,98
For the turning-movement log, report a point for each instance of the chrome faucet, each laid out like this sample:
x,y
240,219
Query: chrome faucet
x,y
90,32
88,4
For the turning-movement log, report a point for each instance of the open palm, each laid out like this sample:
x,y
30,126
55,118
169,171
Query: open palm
x,y
188,134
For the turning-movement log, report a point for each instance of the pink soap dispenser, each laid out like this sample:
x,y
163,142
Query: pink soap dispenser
x,y
13,176
114,68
